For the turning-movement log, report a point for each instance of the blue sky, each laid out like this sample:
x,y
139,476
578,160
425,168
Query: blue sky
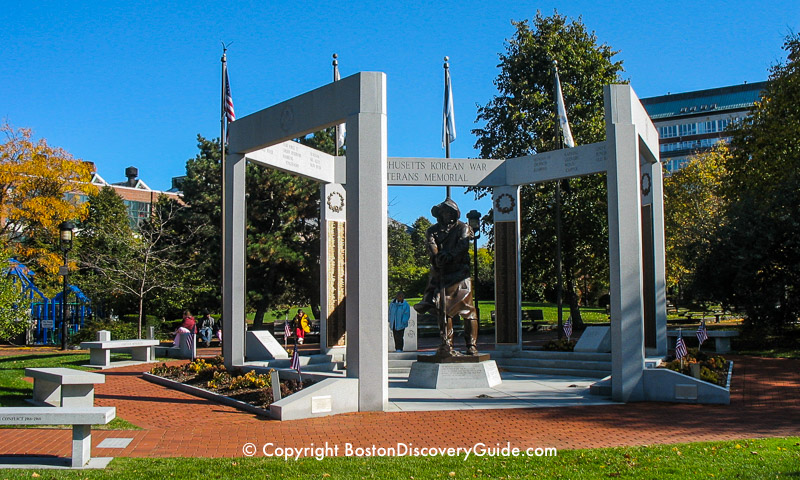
x,y
132,83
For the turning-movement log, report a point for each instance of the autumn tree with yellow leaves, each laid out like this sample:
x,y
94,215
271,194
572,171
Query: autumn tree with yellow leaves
x,y
694,207
40,187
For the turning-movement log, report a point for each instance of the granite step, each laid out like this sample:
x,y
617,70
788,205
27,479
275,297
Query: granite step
x,y
555,363
566,372
602,388
546,354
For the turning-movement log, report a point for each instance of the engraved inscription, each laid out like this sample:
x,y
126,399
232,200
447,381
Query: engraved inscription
x,y
321,404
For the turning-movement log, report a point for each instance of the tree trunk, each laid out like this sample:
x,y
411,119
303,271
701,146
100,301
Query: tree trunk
x,y
141,310
258,321
572,297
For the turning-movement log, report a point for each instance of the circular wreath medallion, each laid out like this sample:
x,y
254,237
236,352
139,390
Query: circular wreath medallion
x,y
504,203
335,202
287,118
647,184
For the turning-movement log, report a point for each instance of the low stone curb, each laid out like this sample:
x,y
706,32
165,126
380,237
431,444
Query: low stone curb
x,y
203,393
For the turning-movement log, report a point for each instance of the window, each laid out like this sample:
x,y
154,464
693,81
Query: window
x,y
688,129
669,131
137,212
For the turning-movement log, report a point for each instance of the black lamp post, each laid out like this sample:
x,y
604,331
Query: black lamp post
x,y
65,240
474,219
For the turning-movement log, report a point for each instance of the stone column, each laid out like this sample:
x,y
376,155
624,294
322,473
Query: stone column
x,y
507,277
659,256
234,259
333,211
625,245
367,266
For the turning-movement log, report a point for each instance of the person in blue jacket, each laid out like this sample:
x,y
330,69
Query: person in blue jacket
x,y
399,313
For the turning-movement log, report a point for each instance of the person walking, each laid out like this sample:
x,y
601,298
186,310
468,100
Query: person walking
x,y
399,313
300,325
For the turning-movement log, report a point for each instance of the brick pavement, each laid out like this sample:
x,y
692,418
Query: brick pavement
x,y
765,402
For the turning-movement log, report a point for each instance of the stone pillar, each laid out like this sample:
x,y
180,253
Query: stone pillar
x,y
234,260
625,245
333,211
367,266
507,277
659,257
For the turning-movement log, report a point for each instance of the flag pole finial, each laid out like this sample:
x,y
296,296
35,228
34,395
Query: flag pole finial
x,y
335,61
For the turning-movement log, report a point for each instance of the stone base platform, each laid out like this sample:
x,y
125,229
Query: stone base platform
x,y
483,374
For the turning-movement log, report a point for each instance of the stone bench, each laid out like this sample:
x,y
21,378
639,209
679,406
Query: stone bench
x,y
63,387
100,352
722,338
81,419
531,319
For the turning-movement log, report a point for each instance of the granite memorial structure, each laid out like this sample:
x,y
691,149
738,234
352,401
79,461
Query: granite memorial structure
x,y
353,223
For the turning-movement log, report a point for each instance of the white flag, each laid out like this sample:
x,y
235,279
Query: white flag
x,y
340,129
562,115
448,116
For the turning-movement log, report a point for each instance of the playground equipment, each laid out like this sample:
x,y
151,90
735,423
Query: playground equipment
x,y
46,312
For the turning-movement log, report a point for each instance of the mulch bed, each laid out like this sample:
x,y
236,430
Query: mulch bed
x,y
252,388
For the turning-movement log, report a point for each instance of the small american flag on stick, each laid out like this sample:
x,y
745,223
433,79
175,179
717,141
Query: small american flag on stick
x,y
295,359
702,333
568,328
680,348
287,332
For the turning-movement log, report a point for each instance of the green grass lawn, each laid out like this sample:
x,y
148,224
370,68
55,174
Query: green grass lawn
x,y
14,390
750,459
549,311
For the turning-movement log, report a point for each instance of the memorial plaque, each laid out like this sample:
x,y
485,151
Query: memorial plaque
x,y
321,404
445,171
506,309
297,159
564,163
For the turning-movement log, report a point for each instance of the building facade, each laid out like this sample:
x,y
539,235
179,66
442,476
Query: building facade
x,y
692,122
136,195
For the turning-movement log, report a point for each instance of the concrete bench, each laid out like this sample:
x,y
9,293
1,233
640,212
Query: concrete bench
x,y
63,387
531,319
100,352
81,419
722,338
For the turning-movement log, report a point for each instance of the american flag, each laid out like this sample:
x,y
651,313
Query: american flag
x,y
562,112
295,359
680,348
448,115
229,113
287,331
568,328
702,333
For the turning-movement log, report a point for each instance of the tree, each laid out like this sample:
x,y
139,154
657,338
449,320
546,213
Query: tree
x,y
694,207
40,187
282,230
407,273
754,261
521,121
107,220
14,312
147,262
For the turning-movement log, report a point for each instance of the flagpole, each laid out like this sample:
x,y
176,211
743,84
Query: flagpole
x,y
446,130
223,192
224,61
335,64
559,275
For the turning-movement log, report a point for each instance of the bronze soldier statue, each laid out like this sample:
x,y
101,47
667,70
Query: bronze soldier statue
x,y
449,290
